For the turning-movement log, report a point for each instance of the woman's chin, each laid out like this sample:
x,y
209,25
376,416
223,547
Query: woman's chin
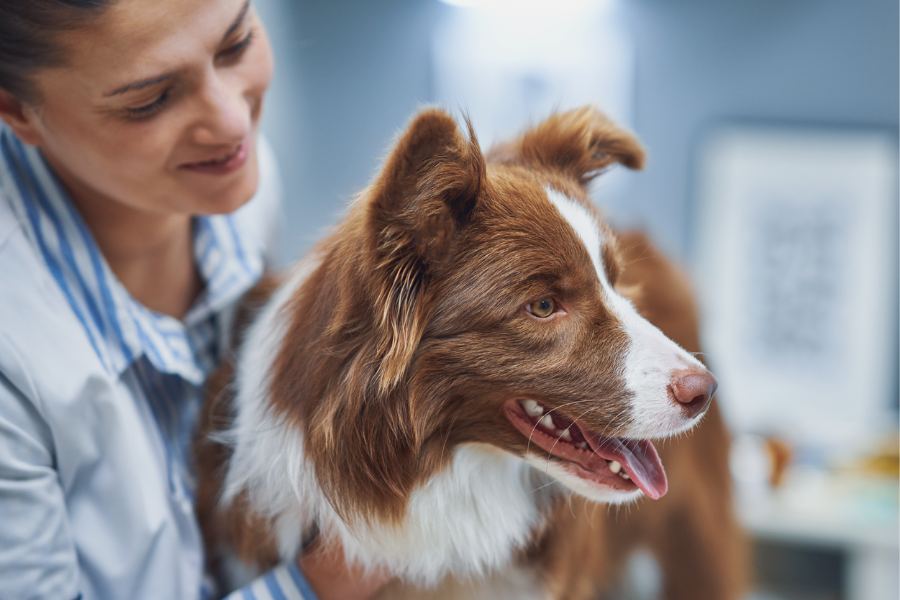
x,y
226,198
223,206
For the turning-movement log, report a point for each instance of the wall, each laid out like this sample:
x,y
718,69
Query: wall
x,y
797,61
349,74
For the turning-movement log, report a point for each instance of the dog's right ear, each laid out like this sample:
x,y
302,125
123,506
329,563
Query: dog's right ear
x,y
427,188
424,195
580,143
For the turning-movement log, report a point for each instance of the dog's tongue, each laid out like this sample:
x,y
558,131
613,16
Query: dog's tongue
x,y
637,457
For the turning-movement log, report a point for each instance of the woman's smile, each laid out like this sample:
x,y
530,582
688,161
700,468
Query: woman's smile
x,y
221,164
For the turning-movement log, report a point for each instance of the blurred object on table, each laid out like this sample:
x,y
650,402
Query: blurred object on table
x,y
780,454
833,519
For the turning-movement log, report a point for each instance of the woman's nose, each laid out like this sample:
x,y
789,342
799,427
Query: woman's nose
x,y
224,114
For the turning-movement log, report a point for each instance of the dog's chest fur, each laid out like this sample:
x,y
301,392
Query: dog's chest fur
x,y
468,521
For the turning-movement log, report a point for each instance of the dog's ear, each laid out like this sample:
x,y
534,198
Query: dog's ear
x,y
427,188
580,143
424,195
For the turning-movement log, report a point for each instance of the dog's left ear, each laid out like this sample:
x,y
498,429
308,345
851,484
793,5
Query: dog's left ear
x,y
580,143
425,194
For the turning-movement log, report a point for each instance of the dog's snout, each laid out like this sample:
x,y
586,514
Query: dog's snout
x,y
694,390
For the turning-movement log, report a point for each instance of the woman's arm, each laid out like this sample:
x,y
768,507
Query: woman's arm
x,y
332,579
320,574
37,551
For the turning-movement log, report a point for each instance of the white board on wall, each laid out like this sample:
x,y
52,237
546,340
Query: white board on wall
x,y
510,64
516,63
796,257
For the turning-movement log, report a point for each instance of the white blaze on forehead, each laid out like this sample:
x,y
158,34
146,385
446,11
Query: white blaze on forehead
x,y
588,230
585,226
652,358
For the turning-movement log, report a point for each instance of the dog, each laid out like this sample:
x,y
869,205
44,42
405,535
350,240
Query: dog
x,y
453,382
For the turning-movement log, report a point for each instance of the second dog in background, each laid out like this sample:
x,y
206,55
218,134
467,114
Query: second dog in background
x,y
455,378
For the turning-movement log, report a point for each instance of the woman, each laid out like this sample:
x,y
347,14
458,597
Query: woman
x,y
130,137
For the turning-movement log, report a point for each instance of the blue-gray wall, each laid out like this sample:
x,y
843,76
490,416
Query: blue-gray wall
x,y
793,61
350,73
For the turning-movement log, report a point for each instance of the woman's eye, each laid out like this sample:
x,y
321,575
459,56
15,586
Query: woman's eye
x,y
236,49
148,110
542,308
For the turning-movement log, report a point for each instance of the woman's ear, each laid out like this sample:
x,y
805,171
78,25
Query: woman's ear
x,y
20,117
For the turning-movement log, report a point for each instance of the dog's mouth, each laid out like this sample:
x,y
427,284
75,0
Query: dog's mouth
x,y
620,463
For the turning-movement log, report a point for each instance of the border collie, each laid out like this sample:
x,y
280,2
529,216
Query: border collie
x,y
454,367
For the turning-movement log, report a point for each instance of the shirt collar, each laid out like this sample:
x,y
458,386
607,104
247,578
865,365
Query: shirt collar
x,y
120,329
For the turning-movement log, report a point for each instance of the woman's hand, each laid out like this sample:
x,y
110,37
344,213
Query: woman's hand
x,y
331,578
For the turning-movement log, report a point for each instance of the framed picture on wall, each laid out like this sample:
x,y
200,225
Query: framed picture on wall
x,y
796,254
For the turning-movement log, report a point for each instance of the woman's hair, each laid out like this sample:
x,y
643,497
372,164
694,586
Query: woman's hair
x,y
28,37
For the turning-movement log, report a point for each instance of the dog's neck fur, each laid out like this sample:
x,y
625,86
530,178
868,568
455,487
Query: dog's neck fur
x,y
469,519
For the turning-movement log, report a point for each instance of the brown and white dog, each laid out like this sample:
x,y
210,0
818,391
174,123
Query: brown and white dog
x,y
435,381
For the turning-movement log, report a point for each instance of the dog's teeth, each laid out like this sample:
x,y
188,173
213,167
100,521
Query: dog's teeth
x,y
566,435
532,408
581,445
615,467
547,421
624,475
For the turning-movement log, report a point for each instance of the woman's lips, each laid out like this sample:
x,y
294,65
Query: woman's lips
x,y
222,164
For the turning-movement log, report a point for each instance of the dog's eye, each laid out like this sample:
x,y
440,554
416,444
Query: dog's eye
x,y
542,308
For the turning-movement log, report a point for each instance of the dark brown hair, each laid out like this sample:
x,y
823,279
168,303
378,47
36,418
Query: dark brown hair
x,y
28,32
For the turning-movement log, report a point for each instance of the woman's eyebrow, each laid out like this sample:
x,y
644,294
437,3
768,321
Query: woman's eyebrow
x,y
137,85
237,22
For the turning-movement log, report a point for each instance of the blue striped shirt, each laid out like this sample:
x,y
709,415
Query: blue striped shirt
x,y
99,398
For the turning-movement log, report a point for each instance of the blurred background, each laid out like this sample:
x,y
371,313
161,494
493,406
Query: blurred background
x,y
771,128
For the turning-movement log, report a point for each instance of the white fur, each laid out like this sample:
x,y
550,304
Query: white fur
x,y
267,461
652,358
467,521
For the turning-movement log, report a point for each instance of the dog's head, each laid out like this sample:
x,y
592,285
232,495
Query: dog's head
x,y
475,300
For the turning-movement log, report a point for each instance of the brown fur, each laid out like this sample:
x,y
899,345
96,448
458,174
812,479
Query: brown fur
x,y
377,336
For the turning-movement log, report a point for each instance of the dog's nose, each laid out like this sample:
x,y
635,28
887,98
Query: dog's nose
x,y
694,390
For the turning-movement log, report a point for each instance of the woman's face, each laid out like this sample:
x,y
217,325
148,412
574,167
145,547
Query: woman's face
x,y
158,105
